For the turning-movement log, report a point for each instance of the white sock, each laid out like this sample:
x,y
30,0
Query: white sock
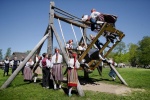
x,y
70,89
35,79
59,84
55,86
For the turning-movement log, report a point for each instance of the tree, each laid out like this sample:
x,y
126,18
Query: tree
x,y
1,55
120,51
133,54
144,51
28,51
8,53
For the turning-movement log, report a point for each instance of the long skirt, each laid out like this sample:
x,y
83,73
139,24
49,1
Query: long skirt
x,y
72,77
38,70
27,73
6,69
57,73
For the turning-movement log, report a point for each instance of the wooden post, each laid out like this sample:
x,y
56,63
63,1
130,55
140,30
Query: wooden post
x,y
50,31
95,39
11,78
80,91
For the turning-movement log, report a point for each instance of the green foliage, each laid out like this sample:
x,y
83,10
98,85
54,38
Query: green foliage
x,y
8,52
28,51
136,78
133,54
144,51
1,55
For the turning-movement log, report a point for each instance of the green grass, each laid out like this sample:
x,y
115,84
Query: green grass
x,y
136,78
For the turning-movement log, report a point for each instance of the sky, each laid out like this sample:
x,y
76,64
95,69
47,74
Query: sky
x,y
23,22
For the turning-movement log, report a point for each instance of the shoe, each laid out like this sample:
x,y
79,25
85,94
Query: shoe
x,y
47,87
113,78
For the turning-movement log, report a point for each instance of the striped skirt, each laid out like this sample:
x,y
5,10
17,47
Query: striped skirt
x,y
72,77
57,73
27,73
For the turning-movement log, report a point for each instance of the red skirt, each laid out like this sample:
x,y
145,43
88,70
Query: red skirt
x,y
72,77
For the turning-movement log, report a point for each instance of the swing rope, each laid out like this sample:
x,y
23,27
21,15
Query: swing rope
x,y
61,32
83,37
74,34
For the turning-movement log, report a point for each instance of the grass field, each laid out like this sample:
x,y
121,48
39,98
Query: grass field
x,y
136,78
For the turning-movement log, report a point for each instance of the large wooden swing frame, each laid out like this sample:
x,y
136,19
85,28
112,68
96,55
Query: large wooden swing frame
x,y
50,31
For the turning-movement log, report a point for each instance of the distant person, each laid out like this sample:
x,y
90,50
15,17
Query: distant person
x,y
15,64
28,70
112,73
37,68
22,70
6,69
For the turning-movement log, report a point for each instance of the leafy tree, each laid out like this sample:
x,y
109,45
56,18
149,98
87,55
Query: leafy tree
x,y
120,48
8,52
144,51
1,55
120,51
28,51
133,54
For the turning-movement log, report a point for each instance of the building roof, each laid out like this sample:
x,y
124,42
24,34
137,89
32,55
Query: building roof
x,y
19,55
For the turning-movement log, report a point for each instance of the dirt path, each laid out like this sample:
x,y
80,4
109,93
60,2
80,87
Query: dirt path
x,y
109,88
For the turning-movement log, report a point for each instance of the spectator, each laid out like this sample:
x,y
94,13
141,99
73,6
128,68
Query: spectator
x,y
6,69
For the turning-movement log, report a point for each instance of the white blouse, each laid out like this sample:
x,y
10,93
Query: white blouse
x,y
95,14
71,63
49,63
29,64
60,58
68,46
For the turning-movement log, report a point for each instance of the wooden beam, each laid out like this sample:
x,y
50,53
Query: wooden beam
x,y
95,39
15,73
119,76
69,21
100,51
51,21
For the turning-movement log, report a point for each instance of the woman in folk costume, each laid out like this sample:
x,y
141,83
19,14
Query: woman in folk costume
x,y
37,68
6,62
57,74
28,70
73,64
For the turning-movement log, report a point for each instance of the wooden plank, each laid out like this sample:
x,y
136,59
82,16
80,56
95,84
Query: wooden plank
x,y
15,73
65,55
100,51
51,21
119,76
108,52
95,39
70,21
